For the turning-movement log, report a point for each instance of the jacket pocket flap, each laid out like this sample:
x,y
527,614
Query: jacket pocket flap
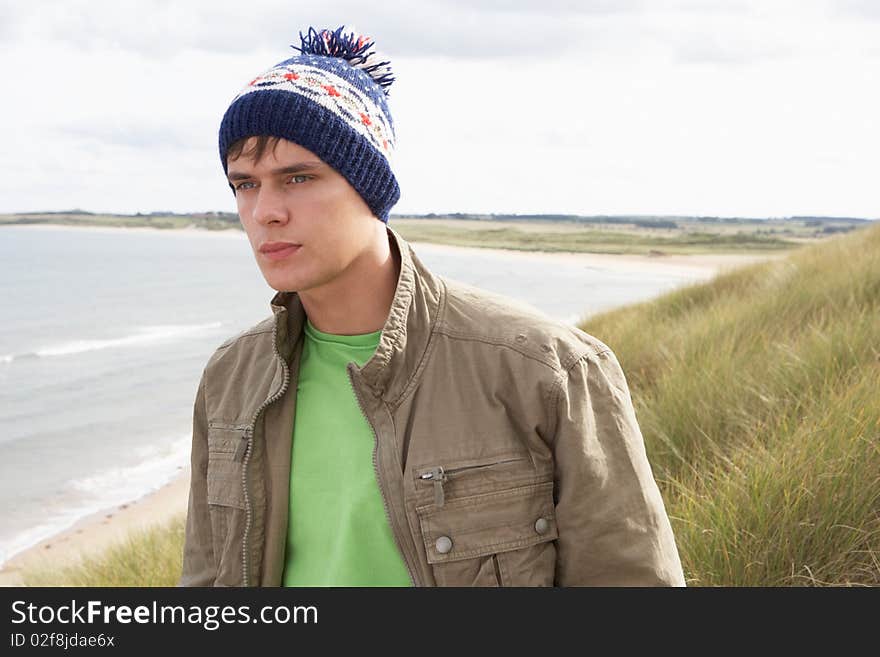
x,y
224,476
489,523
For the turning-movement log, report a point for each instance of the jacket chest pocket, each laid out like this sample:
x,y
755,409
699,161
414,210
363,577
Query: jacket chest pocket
x,y
503,538
226,447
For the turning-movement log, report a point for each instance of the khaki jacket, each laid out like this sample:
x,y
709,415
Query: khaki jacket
x,y
506,448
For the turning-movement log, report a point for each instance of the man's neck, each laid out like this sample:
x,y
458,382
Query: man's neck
x,y
360,302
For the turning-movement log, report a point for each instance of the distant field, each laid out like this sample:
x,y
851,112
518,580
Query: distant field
x,y
208,222
681,236
585,239
685,238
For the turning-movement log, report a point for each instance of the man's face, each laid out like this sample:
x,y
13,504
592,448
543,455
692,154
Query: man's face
x,y
292,196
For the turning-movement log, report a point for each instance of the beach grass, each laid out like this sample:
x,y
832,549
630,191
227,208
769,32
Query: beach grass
x,y
757,395
149,557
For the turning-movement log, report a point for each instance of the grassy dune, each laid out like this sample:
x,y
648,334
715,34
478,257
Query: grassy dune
x,y
758,395
152,557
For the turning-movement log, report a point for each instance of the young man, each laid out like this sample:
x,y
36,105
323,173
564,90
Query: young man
x,y
386,426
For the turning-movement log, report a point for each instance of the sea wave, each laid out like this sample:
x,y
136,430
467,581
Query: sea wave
x,y
142,336
156,466
155,463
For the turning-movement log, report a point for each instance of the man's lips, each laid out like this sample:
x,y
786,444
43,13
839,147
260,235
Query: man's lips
x,y
268,247
278,250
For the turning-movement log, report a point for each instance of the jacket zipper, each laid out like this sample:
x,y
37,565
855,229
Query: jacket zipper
x,y
438,476
249,435
379,479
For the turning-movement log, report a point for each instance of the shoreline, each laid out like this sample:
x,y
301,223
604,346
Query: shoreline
x,y
698,264
92,534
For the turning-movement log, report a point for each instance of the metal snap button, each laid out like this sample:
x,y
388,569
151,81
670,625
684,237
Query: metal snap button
x,y
541,525
443,544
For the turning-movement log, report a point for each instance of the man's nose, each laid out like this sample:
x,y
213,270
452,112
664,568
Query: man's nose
x,y
270,206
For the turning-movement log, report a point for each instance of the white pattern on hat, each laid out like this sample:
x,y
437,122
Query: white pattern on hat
x,y
351,104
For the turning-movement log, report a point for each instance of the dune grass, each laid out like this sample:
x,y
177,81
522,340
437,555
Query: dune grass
x,y
758,395
151,557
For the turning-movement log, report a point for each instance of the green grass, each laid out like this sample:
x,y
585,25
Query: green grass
x,y
151,557
757,395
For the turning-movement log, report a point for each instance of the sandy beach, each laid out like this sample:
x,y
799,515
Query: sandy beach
x,y
704,265
93,534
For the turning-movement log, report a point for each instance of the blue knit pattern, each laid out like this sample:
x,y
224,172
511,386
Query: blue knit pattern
x,y
329,107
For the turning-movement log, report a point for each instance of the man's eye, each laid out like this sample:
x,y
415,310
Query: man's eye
x,y
242,185
299,178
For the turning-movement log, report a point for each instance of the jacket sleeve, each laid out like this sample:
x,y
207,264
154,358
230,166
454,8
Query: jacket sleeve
x,y
199,568
612,524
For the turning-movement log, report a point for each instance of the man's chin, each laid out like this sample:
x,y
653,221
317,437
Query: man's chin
x,y
287,284
282,281
285,288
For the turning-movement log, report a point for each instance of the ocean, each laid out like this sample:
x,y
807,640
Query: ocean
x,y
105,332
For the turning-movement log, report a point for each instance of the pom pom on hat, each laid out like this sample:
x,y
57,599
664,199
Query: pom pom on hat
x,y
352,47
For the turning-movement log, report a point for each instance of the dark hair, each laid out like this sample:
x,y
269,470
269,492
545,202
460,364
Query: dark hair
x,y
257,149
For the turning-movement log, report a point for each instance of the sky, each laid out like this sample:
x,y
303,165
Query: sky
x,y
681,107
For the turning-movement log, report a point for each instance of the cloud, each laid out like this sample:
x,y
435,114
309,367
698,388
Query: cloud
x,y
557,7
869,9
708,107
131,133
161,29
460,29
705,48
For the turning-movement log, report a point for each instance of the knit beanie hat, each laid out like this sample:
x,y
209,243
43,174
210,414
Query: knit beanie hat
x,y
331,100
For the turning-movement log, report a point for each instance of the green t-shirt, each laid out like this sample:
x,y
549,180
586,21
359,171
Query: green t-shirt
x,y
338,533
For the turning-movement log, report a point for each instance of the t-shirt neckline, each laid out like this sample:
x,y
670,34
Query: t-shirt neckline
x,y
359,340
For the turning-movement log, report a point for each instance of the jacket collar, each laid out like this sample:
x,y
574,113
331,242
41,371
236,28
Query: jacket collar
x,y
417,303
